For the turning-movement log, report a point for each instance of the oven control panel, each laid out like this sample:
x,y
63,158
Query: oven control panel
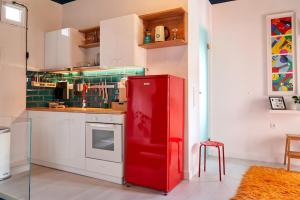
x,y
105,118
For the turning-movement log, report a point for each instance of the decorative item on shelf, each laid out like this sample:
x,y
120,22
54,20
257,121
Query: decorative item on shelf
x,y
277,103
122,90
119,106
57,105
297,102
40,97
97,86
43,84
174,33
147,38
162,33
84,97
105,102
62,92
92,37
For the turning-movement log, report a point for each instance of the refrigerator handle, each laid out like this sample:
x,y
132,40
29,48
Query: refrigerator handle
x,y
126,85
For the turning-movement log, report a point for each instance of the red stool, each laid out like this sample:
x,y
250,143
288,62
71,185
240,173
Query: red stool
x,y
212,144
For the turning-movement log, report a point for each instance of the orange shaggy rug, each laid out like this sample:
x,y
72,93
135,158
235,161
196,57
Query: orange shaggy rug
x,y
265,183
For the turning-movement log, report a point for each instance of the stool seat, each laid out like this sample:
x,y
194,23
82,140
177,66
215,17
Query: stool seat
x,y
212,144
293,136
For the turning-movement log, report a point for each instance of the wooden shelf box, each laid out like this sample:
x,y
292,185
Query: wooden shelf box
x,y
92,37
174,18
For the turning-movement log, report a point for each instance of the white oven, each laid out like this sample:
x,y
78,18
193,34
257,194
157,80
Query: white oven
x,y
104,141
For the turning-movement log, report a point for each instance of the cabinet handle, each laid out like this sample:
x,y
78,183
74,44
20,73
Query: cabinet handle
x,y
100,125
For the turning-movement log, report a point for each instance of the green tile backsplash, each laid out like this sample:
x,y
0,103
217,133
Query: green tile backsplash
x,y
40,96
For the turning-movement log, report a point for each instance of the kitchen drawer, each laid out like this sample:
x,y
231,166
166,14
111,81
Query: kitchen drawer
x,y
105,118
105,167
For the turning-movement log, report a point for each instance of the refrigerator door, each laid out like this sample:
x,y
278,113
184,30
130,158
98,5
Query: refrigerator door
x,y
147,132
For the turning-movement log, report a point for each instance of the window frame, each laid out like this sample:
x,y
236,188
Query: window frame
x,y
5,4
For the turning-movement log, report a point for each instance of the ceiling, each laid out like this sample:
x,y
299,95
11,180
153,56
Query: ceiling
x,y
62,1
219,1
211,1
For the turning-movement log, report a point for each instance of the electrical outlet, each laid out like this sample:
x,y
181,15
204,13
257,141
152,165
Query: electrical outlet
x,y
272,125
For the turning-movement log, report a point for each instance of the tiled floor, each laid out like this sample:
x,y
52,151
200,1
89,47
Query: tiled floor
x,y
49,184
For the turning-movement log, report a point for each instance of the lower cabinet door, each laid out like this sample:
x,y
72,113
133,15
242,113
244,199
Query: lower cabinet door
x,y
58,138
41,137
76,147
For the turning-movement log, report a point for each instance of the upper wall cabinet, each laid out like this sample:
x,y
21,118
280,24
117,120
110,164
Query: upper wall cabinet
x,y
119,42
61,49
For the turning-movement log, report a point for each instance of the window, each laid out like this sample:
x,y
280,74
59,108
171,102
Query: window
x,y
12,14
65,32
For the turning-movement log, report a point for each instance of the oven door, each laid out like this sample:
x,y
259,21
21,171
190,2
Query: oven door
x,y
104,142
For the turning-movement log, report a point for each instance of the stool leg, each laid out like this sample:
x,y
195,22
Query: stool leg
x,y
289,164
223,159
285,153
200,156
204,158
219,155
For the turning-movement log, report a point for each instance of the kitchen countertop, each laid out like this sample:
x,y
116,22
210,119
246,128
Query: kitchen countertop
x,y
78,110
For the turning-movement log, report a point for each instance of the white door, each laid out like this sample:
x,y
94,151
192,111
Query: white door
x,y
104,142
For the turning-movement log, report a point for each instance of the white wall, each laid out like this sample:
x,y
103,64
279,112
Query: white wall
x,y
44,15
88,13
239,103
199,29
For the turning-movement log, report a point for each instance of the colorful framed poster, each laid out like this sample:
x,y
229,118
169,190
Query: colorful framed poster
x,y
281,50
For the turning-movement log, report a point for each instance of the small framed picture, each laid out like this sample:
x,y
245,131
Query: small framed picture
x,y
277,103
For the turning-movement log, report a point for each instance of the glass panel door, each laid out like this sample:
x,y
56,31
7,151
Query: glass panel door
x,y
103,140
18,184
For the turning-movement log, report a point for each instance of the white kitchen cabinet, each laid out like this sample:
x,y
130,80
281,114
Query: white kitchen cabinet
x,y
51,49
59,141
41,136
119,42
76,150
58,138
62,50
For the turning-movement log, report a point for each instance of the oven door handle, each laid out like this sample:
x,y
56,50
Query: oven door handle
x,y
101,125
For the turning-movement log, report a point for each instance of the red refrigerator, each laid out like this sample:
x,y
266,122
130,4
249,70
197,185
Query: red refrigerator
x,y
154,140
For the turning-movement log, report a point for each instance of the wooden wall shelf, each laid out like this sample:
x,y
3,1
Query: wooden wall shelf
x,y
284,111
169,43
92,37
174,18
88,30
91,45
